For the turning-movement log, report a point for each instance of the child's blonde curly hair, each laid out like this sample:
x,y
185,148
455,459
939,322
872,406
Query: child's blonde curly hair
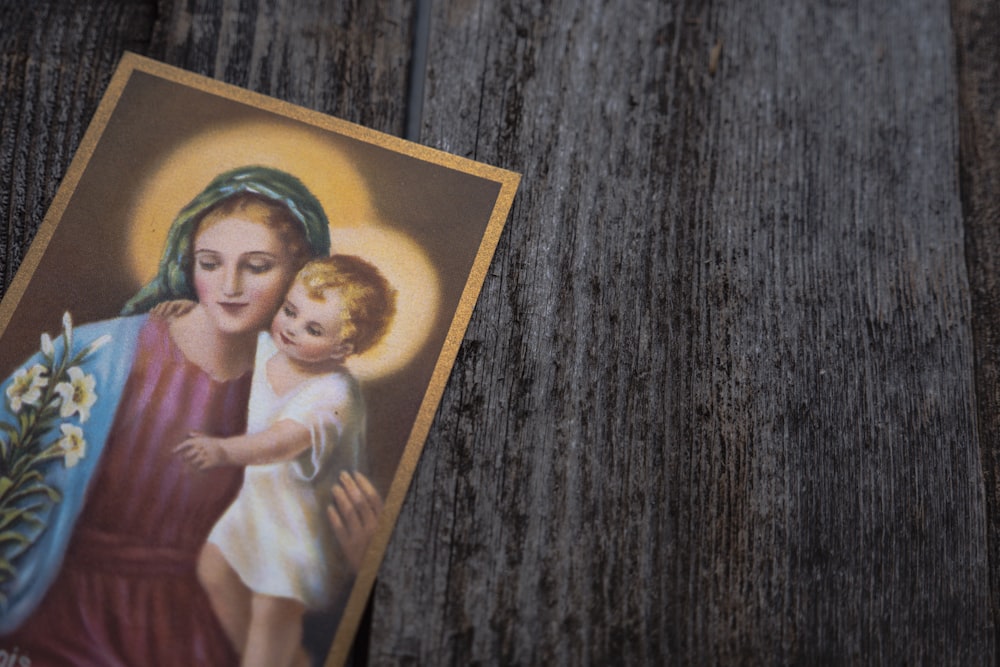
x,y
369,300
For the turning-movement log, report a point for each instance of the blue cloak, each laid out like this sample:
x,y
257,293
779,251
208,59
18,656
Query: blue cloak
x,y
38,566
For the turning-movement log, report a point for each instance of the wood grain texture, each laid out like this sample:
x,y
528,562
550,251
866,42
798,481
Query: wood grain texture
x,y
55,61
977,32
716,404
343,57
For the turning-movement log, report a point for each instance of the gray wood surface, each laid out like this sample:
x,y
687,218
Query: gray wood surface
x,y
348,59
55,61
977,36
720,400
716,405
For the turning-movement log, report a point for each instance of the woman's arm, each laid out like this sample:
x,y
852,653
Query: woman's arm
x,y
282,441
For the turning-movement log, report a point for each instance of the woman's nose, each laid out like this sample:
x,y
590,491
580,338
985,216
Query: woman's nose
x,y
232,282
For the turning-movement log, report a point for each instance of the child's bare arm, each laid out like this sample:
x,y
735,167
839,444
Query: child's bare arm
x,y
282,441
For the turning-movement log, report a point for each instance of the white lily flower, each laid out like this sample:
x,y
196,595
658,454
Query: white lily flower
x,y
26,387
73,445
77,394
99,343
68,331
48,349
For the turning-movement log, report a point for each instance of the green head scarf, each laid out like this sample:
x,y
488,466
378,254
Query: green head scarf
x,y
173,280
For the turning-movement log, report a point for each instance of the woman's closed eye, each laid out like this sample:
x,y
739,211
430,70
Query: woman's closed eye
x,y
208,263
260,267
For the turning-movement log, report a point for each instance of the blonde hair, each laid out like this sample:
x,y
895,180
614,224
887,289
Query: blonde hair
x,y
273,215
369,300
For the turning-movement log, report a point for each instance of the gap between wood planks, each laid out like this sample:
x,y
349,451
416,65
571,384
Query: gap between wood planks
x,y
418,69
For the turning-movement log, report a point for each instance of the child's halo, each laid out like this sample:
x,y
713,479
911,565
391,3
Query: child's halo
x,y
418,294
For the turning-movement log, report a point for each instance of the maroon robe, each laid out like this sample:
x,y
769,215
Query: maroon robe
x,y
127,594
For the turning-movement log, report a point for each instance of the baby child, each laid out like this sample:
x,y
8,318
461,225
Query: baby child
x,y
273,554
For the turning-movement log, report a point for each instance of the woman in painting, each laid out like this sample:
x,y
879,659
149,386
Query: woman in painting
x,y
112,579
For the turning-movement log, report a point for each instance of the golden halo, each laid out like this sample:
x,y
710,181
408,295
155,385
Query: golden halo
x,y
410,272
322,165
300,150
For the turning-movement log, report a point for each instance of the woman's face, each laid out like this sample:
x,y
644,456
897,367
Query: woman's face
x,y
241,273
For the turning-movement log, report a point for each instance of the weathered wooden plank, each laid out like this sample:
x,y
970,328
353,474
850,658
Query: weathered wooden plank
x,y
346,58
977,32
716,402
55,61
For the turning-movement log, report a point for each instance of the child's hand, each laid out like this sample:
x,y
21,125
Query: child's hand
x,y
202,451
168,310
354,515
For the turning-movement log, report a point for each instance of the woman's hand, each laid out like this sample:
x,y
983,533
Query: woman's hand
x,y
202,451
354,515
168,310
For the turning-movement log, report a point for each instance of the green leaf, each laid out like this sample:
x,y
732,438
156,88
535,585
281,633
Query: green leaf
x,y
45,422
6,483
26,513
16,551
21,470
13,536
35,490
31,476
9,515
15,441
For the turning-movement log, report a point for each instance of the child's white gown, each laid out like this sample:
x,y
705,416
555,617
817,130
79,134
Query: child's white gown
x,y
276,534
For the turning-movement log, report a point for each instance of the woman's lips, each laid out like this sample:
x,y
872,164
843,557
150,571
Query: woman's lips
x,y
233,308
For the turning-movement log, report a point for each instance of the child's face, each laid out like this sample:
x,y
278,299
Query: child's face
x,y
308,330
